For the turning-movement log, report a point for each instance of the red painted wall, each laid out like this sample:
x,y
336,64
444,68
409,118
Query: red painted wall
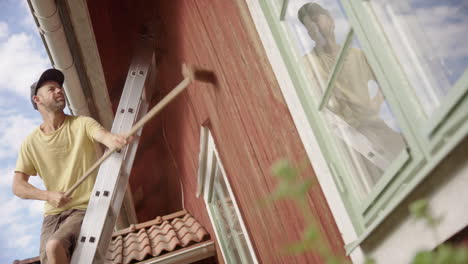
x,y
248,118
245,110
154,181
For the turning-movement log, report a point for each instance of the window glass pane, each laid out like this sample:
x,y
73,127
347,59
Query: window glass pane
x,y
362,125
226,239
228,221
366,132
317,27
430,39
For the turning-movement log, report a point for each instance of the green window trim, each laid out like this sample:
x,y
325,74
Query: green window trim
x,y
449,103
427,142
284,7
386,179
314,121
335,71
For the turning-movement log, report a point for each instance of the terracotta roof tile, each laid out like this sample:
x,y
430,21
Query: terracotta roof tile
x,y
154,238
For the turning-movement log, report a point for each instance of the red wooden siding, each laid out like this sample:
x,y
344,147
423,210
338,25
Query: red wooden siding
x,y
245,111
154,180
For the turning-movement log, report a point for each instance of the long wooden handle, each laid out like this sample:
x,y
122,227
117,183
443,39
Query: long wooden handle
x,y
189,77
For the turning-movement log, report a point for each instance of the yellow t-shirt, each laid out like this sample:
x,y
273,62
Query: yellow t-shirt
x,y
61,158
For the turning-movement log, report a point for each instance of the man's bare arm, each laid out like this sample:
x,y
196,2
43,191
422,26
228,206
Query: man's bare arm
x,y
111,140
23,189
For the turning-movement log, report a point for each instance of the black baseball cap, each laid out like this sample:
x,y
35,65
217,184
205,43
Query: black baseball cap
x,y
47,75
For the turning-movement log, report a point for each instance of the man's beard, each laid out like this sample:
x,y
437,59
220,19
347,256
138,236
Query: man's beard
x,y
56,106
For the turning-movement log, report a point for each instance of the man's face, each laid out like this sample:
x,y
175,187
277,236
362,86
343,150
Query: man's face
x,y
319,26
50,96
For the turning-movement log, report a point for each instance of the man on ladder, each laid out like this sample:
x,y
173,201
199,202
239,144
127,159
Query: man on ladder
x,y
60,150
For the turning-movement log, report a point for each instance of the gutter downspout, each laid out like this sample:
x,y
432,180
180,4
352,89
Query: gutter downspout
x,y
51,29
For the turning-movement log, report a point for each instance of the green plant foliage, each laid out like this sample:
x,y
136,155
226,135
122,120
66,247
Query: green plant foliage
x,y
445,254
291,187
419,209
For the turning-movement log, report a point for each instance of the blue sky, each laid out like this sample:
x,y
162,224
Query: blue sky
x,y
22,60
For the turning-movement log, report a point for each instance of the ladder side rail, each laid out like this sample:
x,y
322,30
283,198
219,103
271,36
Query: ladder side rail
x,y
99,206
119,193
86,239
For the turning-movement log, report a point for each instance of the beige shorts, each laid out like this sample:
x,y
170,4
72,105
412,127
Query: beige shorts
x,y
64,227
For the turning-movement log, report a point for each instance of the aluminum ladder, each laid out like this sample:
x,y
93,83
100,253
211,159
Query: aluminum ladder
x,y
112,178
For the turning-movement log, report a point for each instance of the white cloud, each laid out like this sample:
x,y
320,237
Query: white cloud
x,y
13,130
6,176
3,29
22,241
20,63
35,207
14,211
28,20
20,223
10,212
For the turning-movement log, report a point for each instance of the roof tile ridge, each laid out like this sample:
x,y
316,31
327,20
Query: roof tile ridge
x,y
140,243
155,232
163,245
159,227
134,235
133,227
138,255
187,223
137,247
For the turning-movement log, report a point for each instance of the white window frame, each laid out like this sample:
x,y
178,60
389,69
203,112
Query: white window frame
x,y
208,160
409,232
308,138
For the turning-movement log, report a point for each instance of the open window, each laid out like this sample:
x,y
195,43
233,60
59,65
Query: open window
x,y
384,95
214,187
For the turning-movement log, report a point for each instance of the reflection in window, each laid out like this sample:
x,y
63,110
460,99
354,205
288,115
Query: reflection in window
x,y
323,34
430,40
366,134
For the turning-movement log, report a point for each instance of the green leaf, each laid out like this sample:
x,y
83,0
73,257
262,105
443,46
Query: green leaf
x,y
419,209
423,257
311,233
283,170
460,255
297,248
444,255
333,260
370,261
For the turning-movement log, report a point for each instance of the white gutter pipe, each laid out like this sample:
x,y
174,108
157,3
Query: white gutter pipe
x,y
50,26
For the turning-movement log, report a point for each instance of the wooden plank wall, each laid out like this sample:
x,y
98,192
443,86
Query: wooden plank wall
x,y
244,110
246,114
154,181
